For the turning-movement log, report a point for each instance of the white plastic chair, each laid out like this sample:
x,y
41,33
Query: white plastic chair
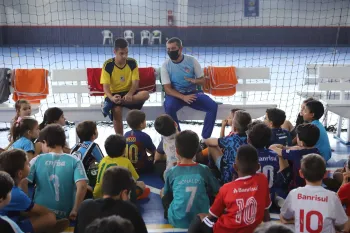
x,y
145,34
107,35
128,34
156,35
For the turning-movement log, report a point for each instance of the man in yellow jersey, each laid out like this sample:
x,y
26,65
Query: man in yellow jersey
x,y
120,79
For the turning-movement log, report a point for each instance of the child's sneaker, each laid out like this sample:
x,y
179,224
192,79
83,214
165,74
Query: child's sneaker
x,y
144,194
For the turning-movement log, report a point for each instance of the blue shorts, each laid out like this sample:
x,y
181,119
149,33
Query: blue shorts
x,y
25,224
108,105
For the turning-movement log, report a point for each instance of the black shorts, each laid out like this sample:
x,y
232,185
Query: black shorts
x,y
137,106
198,226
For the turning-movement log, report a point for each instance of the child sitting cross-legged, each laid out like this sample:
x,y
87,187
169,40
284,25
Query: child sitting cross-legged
x,y
241,205
259,135
275,118
60,178
188,185
307,136
6,185
313,208
88,151
115,148
139,143
29,215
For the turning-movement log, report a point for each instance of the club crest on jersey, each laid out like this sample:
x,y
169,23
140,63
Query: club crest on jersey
x,y
122,79
187,70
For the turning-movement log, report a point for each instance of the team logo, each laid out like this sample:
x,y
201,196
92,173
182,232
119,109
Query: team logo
x,y
122,79
187,70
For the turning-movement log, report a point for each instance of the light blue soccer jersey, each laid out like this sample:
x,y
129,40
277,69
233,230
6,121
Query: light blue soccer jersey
x,y
175,73
190,186
15,228
23,143
323,142
55,176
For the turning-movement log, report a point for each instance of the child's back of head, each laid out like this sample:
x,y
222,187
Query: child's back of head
x,y
259,134
110,224
6,185
275,117
247,162
307,135
240,121
187,144
52,136
115,146
136,119
87,131
313,168
13,161
165,125
115,180
313,110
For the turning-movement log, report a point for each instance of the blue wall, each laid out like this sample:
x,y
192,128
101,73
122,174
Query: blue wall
x,y
194,36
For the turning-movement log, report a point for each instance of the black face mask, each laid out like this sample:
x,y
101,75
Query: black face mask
x,y
174,55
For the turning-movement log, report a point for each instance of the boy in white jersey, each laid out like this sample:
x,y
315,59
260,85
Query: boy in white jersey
x,y
313,208
60,178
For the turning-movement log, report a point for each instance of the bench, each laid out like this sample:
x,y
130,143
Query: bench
x,y
79,111
337,79
312,79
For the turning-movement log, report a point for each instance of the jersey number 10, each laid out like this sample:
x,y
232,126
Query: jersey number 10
x,y
246,211
132,153
305,221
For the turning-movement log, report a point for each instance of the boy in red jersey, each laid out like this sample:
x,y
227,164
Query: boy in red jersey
x,y
241,205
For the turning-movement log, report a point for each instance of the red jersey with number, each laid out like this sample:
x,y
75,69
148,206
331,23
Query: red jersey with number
x,y
240,204
315,209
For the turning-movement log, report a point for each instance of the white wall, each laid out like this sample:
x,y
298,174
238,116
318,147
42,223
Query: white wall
x,y
154,12
272,13
88,12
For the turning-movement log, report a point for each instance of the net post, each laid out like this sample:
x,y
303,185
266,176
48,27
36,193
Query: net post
x,y
244,92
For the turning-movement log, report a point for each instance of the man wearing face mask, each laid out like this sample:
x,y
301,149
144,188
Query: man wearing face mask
x,y
180,76
120,79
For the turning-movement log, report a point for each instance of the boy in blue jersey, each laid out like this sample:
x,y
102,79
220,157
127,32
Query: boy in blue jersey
x,y
275,118
259,135
307,136
312,113
15,163
88,151
223,150
60,178
138,143
6,185
188,185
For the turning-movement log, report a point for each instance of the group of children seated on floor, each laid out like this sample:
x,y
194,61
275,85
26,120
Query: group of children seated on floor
x,y
230,186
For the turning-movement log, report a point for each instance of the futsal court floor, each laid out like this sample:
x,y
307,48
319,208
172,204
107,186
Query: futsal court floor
x,y
287,65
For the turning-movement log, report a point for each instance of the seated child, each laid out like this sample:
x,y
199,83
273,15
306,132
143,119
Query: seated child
x,y
274,118
54,116
115,147
23,109
87,150
307,136
259,135
188,185
139,143
313,111
6,185
60,178
39,219
24,131
273,228
313,208
166,127
344,190
241,205
117,186
110,224
223,150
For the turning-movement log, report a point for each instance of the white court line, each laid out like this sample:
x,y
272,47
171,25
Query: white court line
x,y
153,190
167,230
